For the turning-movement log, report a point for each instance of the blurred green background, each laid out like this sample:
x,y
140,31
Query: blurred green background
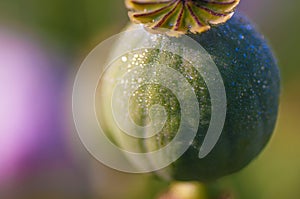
x,y
72,28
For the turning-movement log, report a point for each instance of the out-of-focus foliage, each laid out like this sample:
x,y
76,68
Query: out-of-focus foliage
x,y
67,23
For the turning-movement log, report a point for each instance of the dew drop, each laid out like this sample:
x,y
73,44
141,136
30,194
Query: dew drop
x,y
124,59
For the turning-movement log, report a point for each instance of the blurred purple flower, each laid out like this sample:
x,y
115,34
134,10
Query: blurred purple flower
x,y
24,102
33,140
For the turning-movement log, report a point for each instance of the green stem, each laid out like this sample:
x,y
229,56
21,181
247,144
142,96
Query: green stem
x,y
194,190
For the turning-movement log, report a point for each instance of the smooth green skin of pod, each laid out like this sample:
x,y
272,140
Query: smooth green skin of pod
x,y
252,83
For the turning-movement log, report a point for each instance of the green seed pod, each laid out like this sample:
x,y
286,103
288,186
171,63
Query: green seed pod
x,y
251,78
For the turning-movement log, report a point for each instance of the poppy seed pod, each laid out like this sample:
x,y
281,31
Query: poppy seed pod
x,y
252,83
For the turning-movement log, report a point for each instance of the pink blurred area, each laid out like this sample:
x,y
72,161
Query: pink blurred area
x,y
34,153
40,153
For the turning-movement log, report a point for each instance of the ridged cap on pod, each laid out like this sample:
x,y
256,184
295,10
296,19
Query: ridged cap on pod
x,y
177,17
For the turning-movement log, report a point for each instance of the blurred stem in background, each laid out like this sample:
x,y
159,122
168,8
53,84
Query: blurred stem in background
x,y
185,190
